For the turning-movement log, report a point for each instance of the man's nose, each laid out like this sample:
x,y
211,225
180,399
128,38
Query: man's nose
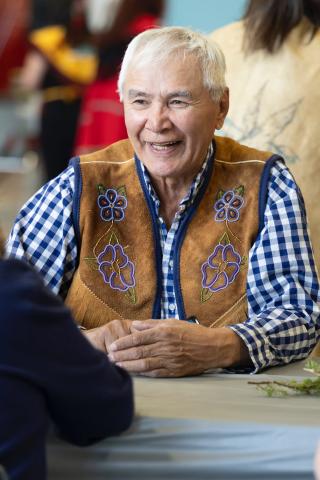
x,y
158,119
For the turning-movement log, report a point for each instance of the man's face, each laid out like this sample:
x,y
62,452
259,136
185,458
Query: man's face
x,y
171,117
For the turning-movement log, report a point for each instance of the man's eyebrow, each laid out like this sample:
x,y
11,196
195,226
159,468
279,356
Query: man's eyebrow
x,y
181,93
132,93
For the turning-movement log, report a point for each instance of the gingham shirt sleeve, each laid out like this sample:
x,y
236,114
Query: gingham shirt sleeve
x,y
43,233
282,288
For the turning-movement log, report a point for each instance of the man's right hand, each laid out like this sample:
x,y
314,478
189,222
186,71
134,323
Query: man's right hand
x,y
102,337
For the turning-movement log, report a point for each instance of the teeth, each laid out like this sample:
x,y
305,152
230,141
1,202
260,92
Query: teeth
x,y
162,144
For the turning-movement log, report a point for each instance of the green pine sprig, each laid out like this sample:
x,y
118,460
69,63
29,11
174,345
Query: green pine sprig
x,y
308,386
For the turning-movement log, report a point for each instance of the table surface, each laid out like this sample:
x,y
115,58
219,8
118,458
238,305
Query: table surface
x,y
227,397
213,426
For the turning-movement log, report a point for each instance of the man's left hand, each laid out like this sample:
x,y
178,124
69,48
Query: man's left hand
x,y
173,348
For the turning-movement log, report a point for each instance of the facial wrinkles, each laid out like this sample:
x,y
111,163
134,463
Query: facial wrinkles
x,y
158,128
173,119
165,115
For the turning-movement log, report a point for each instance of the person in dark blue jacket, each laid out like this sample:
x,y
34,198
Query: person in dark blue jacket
x,y
50,372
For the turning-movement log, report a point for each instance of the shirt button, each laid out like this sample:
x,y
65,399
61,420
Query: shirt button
x,y
171,264
172,307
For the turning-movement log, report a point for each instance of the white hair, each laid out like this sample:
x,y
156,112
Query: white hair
x,y
155,46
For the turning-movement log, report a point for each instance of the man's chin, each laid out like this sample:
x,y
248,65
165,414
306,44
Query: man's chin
x,y
163,171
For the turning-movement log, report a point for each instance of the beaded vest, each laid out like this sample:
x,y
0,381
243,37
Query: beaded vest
x,y
119,272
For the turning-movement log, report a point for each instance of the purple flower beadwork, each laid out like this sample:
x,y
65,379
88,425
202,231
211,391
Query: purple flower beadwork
x,y
221,268
228,207
116,268
112,206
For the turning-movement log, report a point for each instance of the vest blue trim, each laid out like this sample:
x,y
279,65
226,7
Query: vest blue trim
x,y
156,310
180,238
75,163
263,191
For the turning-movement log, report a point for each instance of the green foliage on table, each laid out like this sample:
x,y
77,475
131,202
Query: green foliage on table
x,y
308,386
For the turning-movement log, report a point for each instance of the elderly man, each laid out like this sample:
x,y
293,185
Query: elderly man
x,y
176,250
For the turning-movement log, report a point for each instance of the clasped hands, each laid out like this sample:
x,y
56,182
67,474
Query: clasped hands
x,y
165,348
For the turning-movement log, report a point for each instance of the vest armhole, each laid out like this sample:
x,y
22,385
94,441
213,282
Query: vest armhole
x,y
75,163
263,192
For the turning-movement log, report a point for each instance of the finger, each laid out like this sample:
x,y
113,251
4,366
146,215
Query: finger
x,y
136,339
143,365
134,353
148,368
159,372
159,349
143,324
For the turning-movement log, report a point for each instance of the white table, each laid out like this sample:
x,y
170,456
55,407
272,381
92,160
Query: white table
x,y
226,397
214,426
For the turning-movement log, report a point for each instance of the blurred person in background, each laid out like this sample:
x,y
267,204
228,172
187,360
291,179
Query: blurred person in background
x,y
48,371
112,24
13,47
273,72
13,42
60,65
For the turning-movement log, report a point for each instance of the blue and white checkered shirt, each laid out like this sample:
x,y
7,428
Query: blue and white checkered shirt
x,y
167,238
282,287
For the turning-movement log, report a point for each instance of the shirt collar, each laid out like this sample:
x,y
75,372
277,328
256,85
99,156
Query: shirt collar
x,y
194,188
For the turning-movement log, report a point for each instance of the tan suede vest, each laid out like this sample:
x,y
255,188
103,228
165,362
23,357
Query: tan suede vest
x,y
119,272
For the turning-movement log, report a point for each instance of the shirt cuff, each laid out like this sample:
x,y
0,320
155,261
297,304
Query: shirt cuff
x,y
257,343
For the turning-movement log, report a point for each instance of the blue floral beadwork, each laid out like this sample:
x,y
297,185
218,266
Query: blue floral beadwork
x,y
116,268
228,207
112,206
221,268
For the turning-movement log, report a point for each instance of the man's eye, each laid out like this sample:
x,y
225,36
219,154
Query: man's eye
x,y
140,101
178,103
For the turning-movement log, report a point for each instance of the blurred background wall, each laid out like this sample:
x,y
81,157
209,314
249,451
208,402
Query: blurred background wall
x,y
204,15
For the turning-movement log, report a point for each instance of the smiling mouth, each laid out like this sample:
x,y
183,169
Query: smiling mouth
x,y
163,145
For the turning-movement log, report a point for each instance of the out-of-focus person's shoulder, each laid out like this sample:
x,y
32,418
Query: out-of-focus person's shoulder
x,y
229,35
16,274
10,267
22,288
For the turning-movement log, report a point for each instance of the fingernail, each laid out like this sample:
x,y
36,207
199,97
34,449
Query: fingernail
x,y
113,347
111,357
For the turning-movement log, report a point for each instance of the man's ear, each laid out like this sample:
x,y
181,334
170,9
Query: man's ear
x,y
224,108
